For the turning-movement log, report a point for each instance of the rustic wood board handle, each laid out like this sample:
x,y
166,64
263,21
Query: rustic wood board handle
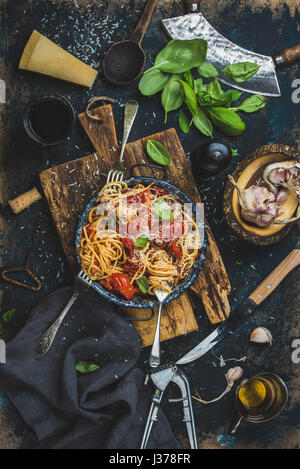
x,y
273,280
287,56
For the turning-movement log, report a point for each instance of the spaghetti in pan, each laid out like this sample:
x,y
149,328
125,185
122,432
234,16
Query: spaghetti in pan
x,y
138,236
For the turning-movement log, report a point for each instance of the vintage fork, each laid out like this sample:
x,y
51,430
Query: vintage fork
x,y
116,174
82,282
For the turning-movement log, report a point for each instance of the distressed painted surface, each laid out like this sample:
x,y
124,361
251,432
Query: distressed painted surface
x,y
86,28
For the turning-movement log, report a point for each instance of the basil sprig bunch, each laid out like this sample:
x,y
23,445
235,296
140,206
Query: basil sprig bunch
x,y
202,104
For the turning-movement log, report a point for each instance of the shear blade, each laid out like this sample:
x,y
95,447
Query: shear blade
x,y
222,52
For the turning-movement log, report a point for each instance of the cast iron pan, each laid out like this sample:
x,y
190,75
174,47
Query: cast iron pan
x,y
147,302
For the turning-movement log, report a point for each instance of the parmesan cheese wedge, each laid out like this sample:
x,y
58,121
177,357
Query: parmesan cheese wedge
x,y
44,56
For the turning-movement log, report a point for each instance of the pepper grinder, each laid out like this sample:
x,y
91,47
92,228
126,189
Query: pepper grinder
x,y
210,159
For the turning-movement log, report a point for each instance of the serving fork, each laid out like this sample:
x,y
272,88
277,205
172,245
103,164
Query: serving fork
x,y
116,174
82,282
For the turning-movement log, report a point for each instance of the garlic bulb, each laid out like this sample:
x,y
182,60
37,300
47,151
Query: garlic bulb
x,y
258,204
261,335
285,174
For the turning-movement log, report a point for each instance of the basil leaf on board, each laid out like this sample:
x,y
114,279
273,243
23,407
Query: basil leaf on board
x,y
189,78
214,89
207,70
202,123
184,122
153,82
172,96
252,104
241,71
143,284
226,120
234,152
142,242
163,210
86,367
181,55
199,86
158,152
190,98
7,317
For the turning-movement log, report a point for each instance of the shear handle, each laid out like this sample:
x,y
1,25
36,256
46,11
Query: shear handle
x,y
182,382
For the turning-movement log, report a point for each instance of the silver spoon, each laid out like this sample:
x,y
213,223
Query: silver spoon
x,y
154,360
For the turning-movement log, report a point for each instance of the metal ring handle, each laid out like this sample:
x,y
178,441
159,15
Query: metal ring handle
x,y
162,168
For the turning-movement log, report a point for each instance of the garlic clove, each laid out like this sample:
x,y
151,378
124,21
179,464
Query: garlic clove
x,y
261,335
234,374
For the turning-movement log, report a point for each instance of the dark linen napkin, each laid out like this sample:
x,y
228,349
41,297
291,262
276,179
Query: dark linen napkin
x,y
68,410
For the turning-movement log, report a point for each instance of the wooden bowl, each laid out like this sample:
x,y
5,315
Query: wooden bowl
x,y
247,173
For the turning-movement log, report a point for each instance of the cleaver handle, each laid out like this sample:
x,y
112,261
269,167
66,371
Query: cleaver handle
x,y
274,279
287,56
192,6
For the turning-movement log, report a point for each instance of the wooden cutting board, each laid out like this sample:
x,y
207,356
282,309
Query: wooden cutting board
x,y
69,186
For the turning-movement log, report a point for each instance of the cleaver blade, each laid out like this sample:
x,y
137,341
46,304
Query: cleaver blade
x,y
222,52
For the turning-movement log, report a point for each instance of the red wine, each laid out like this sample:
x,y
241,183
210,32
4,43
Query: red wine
x,y
49,119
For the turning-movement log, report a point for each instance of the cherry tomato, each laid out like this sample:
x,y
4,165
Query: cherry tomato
x,y
106,284
128,243
122,284
175,250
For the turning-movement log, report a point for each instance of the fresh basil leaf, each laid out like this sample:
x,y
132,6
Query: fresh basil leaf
x,y
172,96
207,70
235,94
253,103
214,89
86,367
153,82
199,86
226,120
234,152
241,71
190,98
181,55
206,100
163,210
203,123
184,122
230,96
143,284
142,241
7,317
158,152
189,78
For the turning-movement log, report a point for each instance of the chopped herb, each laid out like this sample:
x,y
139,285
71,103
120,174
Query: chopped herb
x,y
7,317
142,241
86,367
143,284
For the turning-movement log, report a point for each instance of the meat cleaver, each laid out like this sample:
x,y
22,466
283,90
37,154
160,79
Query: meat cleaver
x,y
222,52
